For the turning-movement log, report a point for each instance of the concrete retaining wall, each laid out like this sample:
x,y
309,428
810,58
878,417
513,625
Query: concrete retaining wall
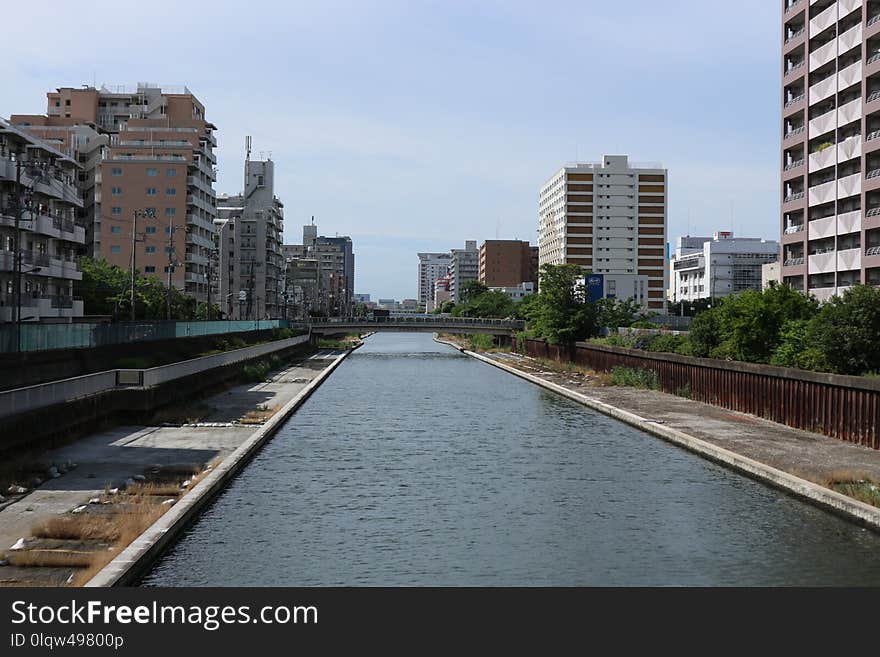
x,y
847,507
138,557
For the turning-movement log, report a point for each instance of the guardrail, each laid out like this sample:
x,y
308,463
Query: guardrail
x,y
428,320
81,335
20,400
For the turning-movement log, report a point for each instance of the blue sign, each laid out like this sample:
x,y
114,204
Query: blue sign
x,y
595,287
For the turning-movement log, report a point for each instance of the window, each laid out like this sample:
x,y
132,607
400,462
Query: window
x,y
171,172
259,181
149,269
116,171
168,249
168,230
115,210
170,212
171,191
152,172
116,191
151,191
151,249
67,102
115,230
150,230
115,249
151,212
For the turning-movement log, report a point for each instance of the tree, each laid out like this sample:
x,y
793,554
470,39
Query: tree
x,y
561,312
616,312
102,286
847,331
471,290
748,326
492,303
445,307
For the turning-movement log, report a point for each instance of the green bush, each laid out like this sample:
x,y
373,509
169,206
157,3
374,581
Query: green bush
x,y
634,378
666,342
480,342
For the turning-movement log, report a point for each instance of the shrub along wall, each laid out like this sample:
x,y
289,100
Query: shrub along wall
x,y
844,407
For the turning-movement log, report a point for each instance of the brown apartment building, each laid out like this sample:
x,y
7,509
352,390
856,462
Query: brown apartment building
x,y
508,263
830,166
610,218
148,163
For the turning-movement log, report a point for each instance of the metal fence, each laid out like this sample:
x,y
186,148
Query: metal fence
x,y
42,337
843,407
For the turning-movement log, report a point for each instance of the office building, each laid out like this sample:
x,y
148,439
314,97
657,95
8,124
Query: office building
x,y
830,164
38,189
322,268
148,160
610,218
718,266
508,263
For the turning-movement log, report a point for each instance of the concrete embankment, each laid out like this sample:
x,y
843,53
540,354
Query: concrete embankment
x,y
779,456
136,559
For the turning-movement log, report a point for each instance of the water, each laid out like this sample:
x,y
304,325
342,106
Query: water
x,y
415,465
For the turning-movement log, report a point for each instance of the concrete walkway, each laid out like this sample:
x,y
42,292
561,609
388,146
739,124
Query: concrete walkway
x,y
806,455
107,459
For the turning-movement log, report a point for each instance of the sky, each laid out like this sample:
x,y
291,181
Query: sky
x,y
416,125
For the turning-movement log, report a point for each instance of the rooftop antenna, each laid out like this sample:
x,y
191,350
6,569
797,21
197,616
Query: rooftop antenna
x,y
247,159
498,229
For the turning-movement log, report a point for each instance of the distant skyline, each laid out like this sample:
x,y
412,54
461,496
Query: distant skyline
x,y
416,126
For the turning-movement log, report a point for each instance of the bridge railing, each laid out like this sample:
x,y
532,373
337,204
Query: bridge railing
x,y
432,320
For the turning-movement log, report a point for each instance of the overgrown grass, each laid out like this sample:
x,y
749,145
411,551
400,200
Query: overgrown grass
x,y
632,377
259,371
855,484
480,342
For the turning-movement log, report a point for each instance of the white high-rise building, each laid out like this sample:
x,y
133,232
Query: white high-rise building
x,y
609,218
431,267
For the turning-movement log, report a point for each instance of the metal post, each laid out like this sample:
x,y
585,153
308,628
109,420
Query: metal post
x,y
170,264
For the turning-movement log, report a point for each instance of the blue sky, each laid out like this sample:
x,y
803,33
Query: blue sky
x,y
413,126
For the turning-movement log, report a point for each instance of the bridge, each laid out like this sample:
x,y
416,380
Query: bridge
x,y
424,324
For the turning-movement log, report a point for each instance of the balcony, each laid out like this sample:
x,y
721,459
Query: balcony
x,y
823,123
823,262
823,89
796,131
849,259
849,222
874,95
849,39
872,251
824,193
793,262
851,111
793,5
849,76
798,196
822,55
795,35
824,227
791,230
793,68
795,100
794,165
822,159
849,186
824,20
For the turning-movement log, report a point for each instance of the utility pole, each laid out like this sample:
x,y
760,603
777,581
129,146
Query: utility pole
x,y
171,262
16,253
135,215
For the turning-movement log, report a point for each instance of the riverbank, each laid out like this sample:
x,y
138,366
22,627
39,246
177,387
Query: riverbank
x,y
802,463
203,446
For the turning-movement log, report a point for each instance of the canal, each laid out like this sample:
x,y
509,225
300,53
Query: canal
x,y
415,465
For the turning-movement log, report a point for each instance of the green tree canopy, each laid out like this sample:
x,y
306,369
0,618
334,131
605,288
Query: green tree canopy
x,y
847,331
561,312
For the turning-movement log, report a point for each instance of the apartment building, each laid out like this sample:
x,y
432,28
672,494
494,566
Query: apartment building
x,y
463,267
147,163
508,263
251,229
38,188
316,280
610,218
830,148
431,267
718,266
